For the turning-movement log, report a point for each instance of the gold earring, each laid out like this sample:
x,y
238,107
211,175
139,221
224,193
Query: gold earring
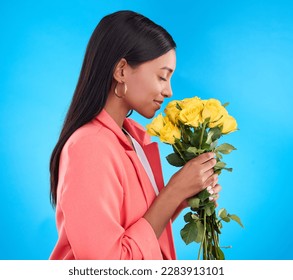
x,y
116,91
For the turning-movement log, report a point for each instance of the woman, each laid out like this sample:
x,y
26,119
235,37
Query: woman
x,y
106,176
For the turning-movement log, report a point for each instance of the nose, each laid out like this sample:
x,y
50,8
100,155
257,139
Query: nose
x,y
167,91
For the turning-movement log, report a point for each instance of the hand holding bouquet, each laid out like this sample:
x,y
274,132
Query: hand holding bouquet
x,y
192,127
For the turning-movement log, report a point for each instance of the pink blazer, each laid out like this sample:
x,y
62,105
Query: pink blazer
x,y
103,193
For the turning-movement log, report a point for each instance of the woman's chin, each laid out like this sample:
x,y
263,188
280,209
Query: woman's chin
x,y
149,115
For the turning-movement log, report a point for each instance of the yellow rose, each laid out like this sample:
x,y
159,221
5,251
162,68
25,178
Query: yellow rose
x,y
191,112
186,101
169,132
214,110
172,111
229,124
156,125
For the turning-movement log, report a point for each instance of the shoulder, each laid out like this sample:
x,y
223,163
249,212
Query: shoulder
x,y
91,138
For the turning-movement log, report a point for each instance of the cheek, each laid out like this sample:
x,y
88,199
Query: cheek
x,y
145,84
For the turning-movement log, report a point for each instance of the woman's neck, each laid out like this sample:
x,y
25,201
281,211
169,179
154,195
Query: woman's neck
x,y
116,108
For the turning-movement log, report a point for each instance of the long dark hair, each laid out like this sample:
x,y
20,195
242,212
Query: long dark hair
x,y
123,34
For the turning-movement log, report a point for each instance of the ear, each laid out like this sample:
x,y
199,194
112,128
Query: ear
x,y
119,69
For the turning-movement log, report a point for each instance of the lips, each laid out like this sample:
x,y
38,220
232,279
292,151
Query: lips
x,y
159,102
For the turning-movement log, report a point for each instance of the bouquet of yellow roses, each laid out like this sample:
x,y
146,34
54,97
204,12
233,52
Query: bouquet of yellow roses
x,y
193,126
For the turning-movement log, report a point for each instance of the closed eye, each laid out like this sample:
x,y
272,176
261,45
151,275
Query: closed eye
x,y
163,79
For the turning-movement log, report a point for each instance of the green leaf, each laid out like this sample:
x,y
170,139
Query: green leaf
x,y
187,217
220,254
192,150
236,219
189,233
194,217
213,144
175,160
210,209
213,134
200,231
206,147
223,213
226,219
188,156
228,169
195,137
195,151
220,225
193,202
186,134
225,148
217,171
218,155
219,165
203,195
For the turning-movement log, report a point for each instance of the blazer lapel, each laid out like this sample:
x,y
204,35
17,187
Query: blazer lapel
x,y
143,178
152,153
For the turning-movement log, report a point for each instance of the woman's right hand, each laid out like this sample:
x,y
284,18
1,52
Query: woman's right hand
x,y
196,175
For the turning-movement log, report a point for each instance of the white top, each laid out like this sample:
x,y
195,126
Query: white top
x,y
144,161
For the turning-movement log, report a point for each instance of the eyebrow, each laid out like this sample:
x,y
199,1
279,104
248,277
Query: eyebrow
x,y
167,68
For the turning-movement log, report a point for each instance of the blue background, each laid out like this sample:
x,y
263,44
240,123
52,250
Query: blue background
x,y
236,51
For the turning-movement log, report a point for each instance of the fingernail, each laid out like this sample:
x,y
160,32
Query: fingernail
x,y
211,191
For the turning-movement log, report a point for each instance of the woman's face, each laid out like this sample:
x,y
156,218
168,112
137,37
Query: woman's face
x,y
149,84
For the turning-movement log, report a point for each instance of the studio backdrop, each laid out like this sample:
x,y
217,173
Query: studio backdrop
x,y
239,52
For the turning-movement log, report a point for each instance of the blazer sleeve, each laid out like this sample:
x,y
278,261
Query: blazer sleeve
x,y
91,201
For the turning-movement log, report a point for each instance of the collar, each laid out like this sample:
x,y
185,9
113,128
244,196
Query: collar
x,y
132,127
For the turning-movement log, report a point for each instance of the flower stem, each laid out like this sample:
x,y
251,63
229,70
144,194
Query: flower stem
x,y
202,133
203,238
215,239
174,145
